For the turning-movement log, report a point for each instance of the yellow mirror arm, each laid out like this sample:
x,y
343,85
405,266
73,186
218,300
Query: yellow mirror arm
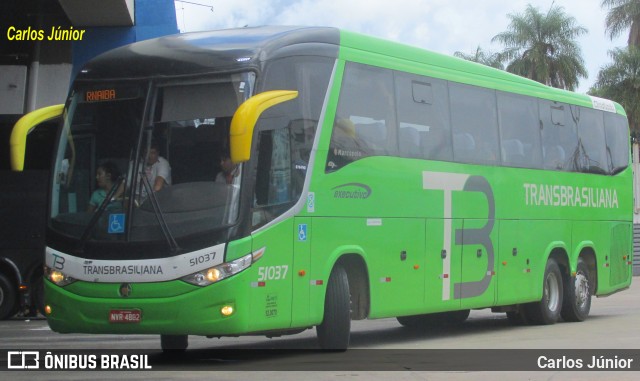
x,y
18,140
245,119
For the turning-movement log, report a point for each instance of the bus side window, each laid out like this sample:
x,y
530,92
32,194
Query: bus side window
x,y
559,136
274,176
617,135
593,158
423,117
473,115
365,116
519,131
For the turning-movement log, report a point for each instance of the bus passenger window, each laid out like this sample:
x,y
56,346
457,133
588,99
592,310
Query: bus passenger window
x,y
423,117
364,116
617,135
474,124
592,158
519,131
559,136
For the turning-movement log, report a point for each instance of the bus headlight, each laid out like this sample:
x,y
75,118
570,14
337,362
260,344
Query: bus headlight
x,y
57,277
220,272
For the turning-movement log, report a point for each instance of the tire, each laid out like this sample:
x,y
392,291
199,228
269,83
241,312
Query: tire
x,y
335,330
174,343
547,310
8,298
577,294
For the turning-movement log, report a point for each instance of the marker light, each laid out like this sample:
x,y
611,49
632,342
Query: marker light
x,y
226,310
57,277
47,309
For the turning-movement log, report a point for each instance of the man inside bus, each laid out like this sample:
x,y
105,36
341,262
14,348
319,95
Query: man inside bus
x,y
157,171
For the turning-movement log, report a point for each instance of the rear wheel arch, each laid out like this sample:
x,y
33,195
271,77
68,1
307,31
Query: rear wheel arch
x,y
559,254
588,256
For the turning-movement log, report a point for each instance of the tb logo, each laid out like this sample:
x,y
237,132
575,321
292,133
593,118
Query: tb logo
x,y
58,261
459,182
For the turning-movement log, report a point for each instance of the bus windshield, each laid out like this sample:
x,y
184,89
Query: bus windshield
x,y
148,161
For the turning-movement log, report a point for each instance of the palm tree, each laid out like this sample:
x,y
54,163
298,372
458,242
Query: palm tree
x,y
484,57
623,14
543,47
620,81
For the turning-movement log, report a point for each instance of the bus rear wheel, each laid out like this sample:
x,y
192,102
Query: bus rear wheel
x,y
547,310
335,330
8,298
577,294
174,343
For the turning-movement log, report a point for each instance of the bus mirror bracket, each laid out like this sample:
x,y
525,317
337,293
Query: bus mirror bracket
x,y
18,140
245,119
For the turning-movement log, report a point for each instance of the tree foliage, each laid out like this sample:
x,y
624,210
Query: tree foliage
x,y
623,15
484,57
543,47
620,81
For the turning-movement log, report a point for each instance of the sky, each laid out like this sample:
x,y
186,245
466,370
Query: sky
x,y
444,26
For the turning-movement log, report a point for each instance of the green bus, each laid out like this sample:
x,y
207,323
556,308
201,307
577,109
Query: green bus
x,y
367,179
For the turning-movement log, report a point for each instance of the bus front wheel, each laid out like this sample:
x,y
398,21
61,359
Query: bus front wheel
x,y
334,332
577,294
8,298
547,310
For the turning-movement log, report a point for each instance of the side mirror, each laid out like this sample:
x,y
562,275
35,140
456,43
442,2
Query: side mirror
x,y
245,119
18,141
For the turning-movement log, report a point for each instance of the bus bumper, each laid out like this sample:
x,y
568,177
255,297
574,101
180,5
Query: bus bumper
x,y
195,311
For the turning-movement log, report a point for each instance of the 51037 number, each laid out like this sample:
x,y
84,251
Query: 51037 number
x,y
202,259
272,272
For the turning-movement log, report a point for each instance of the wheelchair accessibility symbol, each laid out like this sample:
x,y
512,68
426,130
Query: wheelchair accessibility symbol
x,y
302,232
116,223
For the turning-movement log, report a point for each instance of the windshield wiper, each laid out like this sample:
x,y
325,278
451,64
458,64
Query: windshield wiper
x,y
99,211
173,245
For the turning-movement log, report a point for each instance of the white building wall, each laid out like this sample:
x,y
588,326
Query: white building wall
x,y
51,85
13,87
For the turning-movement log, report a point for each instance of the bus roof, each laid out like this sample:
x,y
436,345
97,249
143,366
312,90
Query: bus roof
x,y
371,50
248,48
205,52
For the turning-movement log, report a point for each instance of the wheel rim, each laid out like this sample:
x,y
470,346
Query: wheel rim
x,y
552,292
581,284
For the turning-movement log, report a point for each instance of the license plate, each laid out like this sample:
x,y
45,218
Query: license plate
x,y
125,316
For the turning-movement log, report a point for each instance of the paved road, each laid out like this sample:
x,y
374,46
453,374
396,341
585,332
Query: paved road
x,y
614,325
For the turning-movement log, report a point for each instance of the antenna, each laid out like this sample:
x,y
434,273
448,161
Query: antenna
x,y
194,3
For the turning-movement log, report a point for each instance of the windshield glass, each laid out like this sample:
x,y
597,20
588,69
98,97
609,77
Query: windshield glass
x,y
145,163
